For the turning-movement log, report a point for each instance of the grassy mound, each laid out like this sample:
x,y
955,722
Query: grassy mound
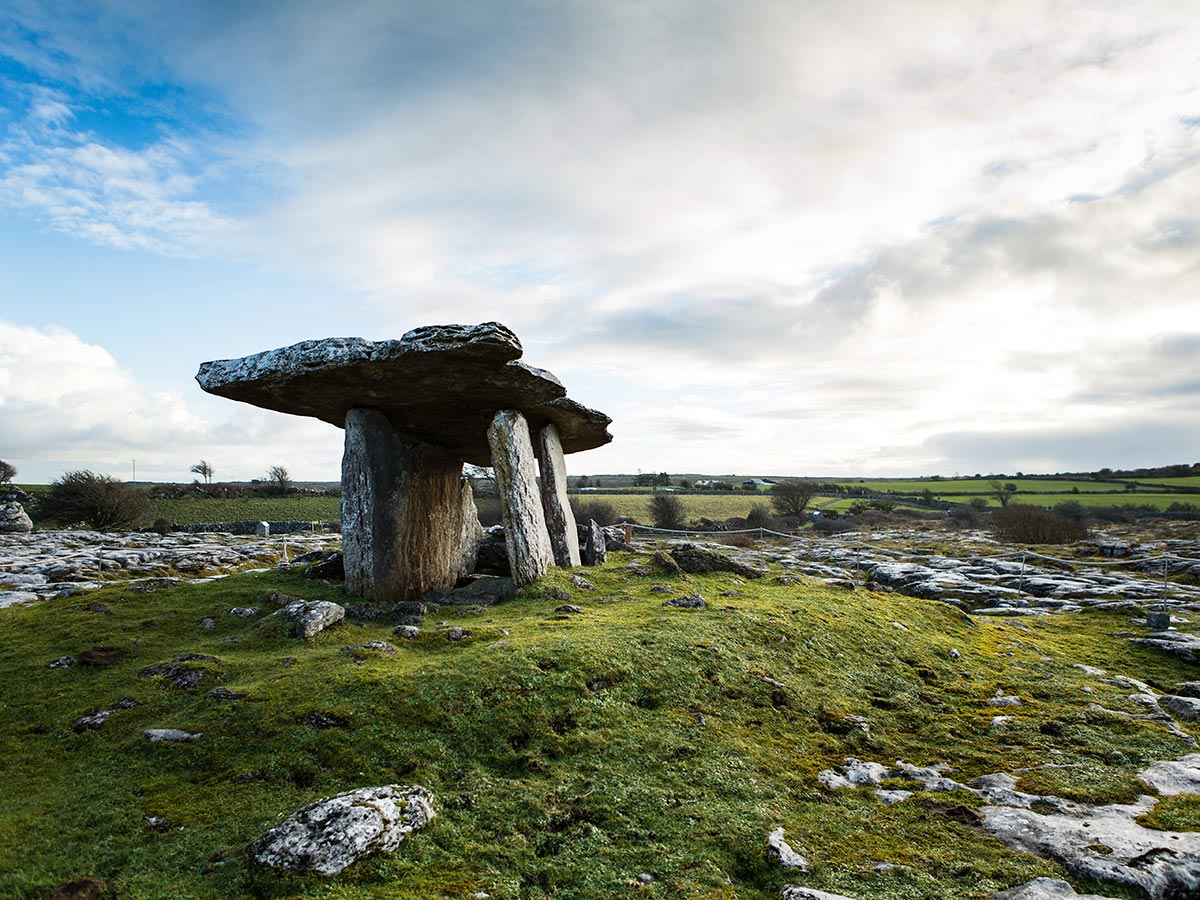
x,y
567,753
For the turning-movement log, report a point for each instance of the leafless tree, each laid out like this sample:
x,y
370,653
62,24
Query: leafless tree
x,y
204,469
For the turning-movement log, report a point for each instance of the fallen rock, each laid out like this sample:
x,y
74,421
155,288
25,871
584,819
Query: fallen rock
x,y
86,888
689,601
311,617
782,853
91,722
1104,842
796,892
1185,708
327,836
1045,889
172,735
696,560
1176,776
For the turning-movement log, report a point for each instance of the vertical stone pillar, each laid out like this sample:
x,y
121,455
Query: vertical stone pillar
x,y
472,531
525,535
402,512
560,520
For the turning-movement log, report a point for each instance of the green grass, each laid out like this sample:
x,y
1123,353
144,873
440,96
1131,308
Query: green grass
x,y
566,754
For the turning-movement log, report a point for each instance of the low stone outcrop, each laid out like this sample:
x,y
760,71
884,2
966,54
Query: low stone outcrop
x,y
696,560
309,618
1045,889
327,836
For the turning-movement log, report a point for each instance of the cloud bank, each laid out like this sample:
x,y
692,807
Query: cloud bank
x,y
767,237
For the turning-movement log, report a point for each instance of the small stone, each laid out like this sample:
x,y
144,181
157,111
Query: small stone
x,y
954,654
1002,699
208,623
227,694
309,618
455,634
171,735
408,632
782,853
246,612
582,583
688,601
63,662
646,878
91,722
570,608
557,594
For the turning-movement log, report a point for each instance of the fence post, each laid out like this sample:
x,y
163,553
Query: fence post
x,y
628,532
1021,579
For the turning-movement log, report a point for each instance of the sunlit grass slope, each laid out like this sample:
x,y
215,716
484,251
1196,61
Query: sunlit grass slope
x,y
567,752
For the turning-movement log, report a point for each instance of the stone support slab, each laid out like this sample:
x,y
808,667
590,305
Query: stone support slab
x,y
402,512
560,520
526,539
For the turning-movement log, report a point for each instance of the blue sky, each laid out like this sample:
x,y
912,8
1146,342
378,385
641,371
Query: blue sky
x,y
853,238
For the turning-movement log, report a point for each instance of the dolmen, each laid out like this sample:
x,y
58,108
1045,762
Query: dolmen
x,y
414,411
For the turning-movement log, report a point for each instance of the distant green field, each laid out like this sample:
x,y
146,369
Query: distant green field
x,y
197,510
978,485
696,506
1187,481
1157,501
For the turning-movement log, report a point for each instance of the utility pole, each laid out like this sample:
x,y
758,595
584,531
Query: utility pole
x,y
135,471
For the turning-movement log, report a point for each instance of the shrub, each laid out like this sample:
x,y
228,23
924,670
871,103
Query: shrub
x,y
759,516
99,501
1030,525
162,526
1070,509
7,471
600,510
666,511
965,516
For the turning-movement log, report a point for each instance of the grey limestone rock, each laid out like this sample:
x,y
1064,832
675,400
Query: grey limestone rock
x,y
1174,776
593,552
560,520
1045,889
311,617
782,853
796,892
1185,708
526,538
327,836
14,519
171,735
696,560
1106,843
91,722
688,601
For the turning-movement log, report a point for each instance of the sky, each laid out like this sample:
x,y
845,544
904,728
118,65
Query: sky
x,y
794,238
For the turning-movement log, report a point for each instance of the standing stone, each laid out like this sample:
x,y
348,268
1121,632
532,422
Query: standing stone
x,y
472,531
594,552
14,519
526,539
560,520
402,511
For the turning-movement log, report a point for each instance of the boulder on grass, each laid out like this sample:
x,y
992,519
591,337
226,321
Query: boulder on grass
x,y
327,836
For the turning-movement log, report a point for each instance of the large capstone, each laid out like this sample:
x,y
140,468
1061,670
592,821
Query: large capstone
x,y
327,836
440,385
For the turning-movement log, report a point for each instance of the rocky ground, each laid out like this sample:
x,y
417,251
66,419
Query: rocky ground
x,y
47,564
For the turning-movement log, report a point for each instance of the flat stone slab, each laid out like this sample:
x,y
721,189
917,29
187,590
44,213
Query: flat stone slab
x,y
438,384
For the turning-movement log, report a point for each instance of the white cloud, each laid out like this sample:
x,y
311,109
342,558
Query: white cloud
x,y
67,404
